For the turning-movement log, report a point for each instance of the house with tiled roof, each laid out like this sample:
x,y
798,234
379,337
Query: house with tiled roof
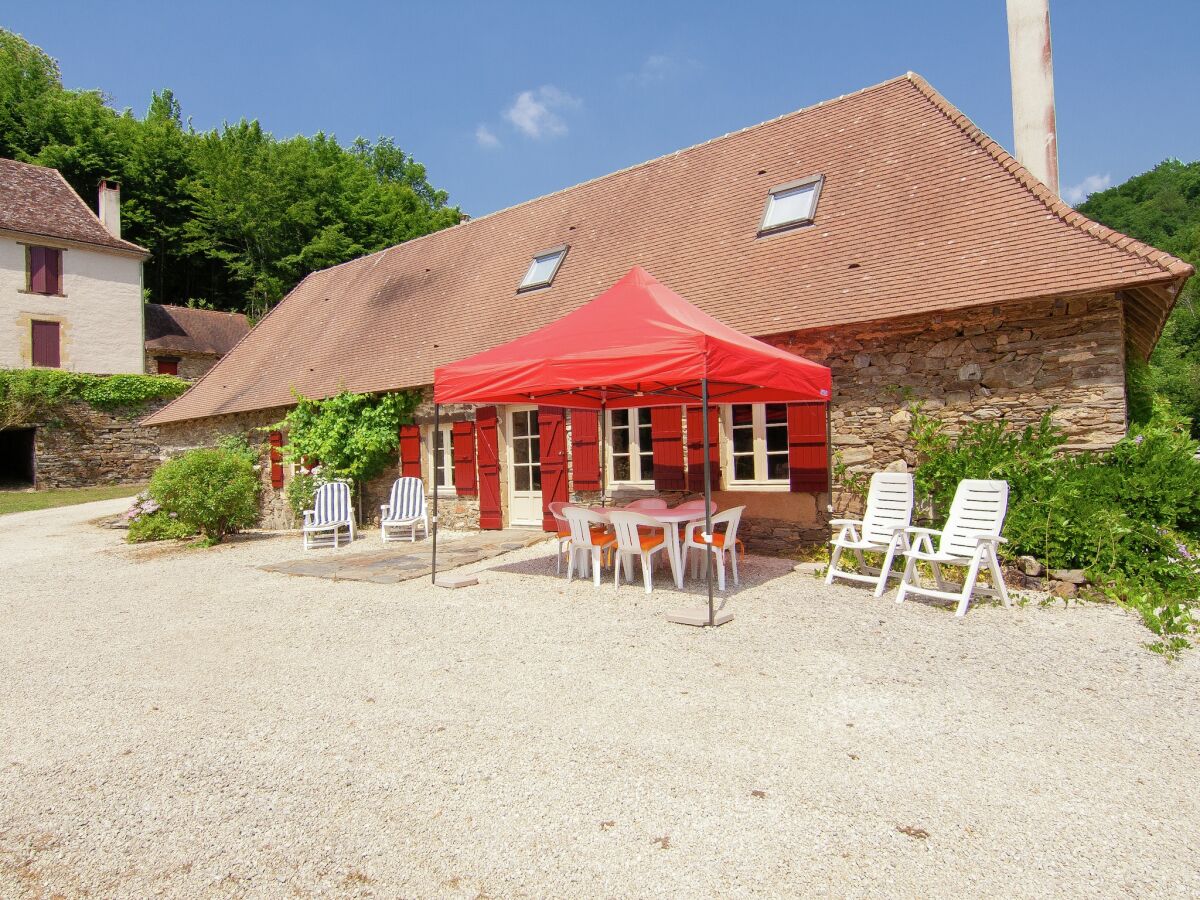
x,y
70,286
185,341
880,233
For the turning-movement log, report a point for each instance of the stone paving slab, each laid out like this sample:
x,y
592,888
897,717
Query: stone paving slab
x,y
401,561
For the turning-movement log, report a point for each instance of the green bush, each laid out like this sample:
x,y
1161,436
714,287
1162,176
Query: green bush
x,y
29,395
214,491
301,489
157,526
1130,516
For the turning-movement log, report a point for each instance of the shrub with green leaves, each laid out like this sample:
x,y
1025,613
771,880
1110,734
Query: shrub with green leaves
x,y
31,395
1130,516
158,526
214,491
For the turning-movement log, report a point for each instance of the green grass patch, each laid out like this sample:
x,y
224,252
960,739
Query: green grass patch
x,y
24,501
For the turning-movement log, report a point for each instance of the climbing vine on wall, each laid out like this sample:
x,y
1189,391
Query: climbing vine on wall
x,y
353,436
29,396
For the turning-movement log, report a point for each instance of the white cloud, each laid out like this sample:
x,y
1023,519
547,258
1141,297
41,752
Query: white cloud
x,y
486,138
1077,193
536,113
660,67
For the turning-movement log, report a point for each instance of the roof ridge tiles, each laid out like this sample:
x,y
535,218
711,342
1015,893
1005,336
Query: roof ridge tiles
x,y
1169,264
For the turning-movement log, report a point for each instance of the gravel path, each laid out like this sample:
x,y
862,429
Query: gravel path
x,y
178,723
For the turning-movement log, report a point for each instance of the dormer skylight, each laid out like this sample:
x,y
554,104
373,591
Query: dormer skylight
x,y
543,268
791,205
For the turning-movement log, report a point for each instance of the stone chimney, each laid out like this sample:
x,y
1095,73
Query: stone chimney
x,y
110,207
1035,136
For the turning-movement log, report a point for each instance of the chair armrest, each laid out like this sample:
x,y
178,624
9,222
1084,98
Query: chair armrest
x,y
844,522
309,515
385,510
990,539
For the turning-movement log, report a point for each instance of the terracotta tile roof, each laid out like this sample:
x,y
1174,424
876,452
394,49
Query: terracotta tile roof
x,y
920,212
37,200
193,330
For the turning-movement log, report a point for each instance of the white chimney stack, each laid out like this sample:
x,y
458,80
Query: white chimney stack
x,y
1035,135
110,207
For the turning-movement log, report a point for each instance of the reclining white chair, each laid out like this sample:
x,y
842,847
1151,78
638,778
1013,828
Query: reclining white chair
x,y
586,539
638,534
405,507
722,542
331,512
969,539
880,530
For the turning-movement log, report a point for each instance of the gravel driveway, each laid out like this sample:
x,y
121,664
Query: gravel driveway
x,y
178,723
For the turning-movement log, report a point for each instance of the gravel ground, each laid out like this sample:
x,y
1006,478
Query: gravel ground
x,y
177,723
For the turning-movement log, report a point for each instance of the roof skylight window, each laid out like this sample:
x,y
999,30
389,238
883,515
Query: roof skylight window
x,y
543,269
791,205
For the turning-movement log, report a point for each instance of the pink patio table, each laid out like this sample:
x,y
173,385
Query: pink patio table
x,y
670,518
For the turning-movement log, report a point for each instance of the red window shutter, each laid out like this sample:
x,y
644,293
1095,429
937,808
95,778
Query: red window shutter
x,y
491,515
37,270
808,455
463,448
167,365
552,434
53,271
585,449
410,451
45,339
695,449
666,423
276,441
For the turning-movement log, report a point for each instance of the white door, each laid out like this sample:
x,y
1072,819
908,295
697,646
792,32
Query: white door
x,y
524,467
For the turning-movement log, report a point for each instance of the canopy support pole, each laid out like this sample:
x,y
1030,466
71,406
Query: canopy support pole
x,y
603,453
829,454
437,430
708,556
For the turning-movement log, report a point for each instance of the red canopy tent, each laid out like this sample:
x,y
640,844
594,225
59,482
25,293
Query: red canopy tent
x,y
637,344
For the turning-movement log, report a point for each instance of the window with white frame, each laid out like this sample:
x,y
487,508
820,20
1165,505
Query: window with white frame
x,y
443,458
792,204
758,443
542,270
630,446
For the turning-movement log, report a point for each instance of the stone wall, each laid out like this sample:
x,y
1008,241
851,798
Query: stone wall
x,y
83,446
191,365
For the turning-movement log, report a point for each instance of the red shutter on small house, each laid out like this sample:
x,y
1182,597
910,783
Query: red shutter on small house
x,y
37,269
808,455
490,514
167,365
552,427
276,441
44,337
410,451
666,424
695,449
53,270
585,449
463,447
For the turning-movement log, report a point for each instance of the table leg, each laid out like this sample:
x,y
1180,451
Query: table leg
x,y
674,554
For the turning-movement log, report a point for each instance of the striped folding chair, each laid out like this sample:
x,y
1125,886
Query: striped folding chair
x,y
331,512
405,508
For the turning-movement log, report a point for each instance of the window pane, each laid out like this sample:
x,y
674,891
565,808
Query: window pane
x,y
742,414
620,440
520,424
620,418
775,413
537,477
790,206
647,462
743,440
541,269
620,468
643,416
535,449
521,451
521,476
743,468
645,438
777,466
777,439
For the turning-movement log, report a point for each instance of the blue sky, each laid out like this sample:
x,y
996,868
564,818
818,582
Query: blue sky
x,y
505,101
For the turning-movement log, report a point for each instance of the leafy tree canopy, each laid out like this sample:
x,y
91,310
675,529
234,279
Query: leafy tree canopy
x,y
1162,208
234,217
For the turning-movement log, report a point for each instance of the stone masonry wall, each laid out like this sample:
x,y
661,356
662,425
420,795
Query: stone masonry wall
x,y
83,446
191,365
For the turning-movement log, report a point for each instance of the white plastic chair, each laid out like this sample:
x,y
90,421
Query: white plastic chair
x,y
331,512
563,538
722,542
641,535
586,539
969,538
405,507
881,530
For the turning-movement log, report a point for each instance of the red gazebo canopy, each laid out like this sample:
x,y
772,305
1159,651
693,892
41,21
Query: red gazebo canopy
x,y
637,344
